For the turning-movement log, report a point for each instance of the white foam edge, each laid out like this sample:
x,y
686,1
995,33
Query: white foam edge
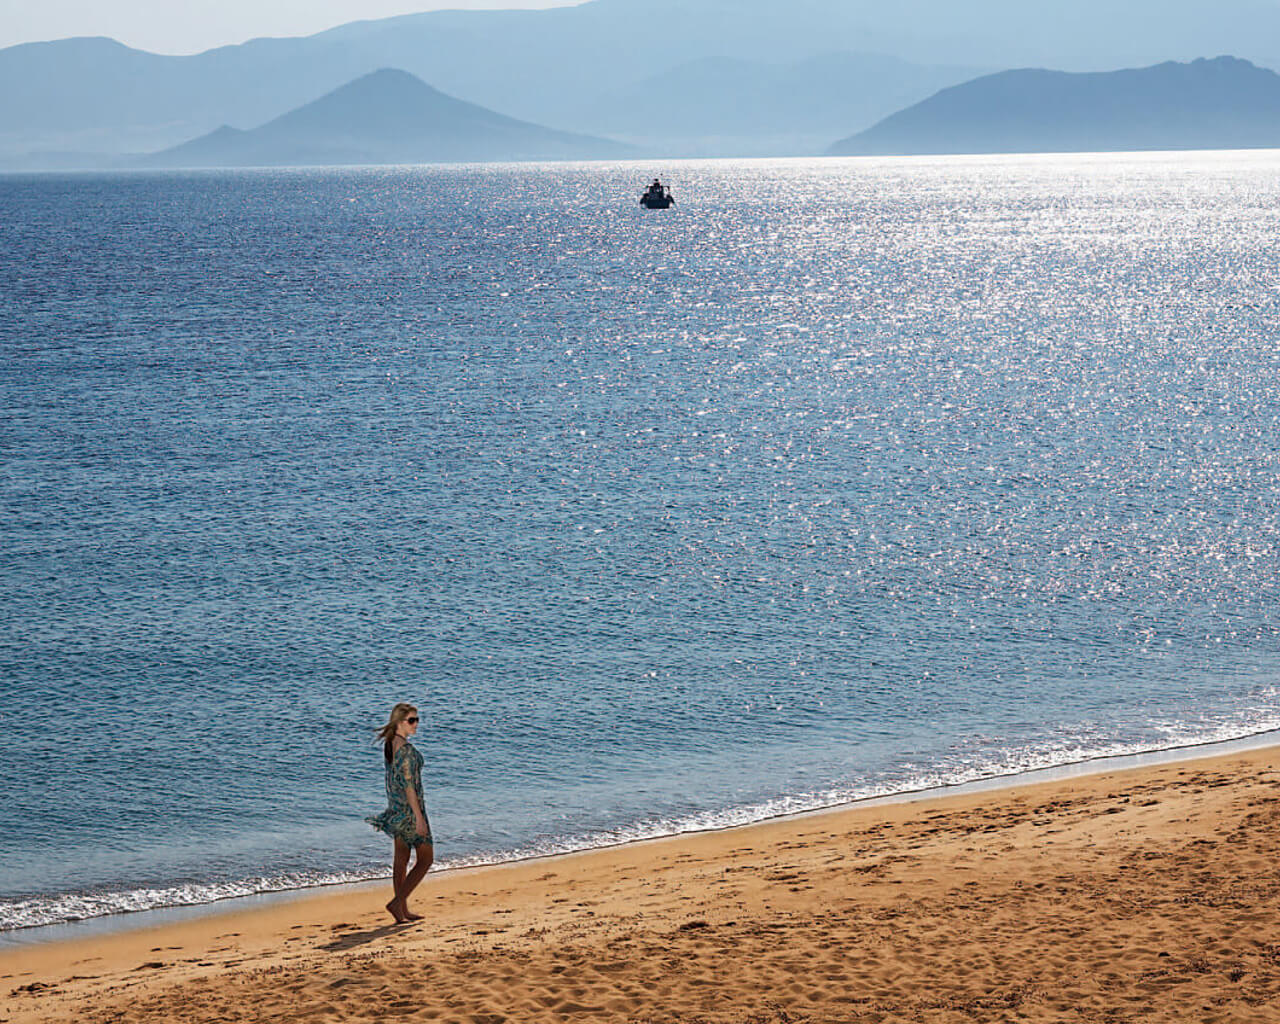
x,y
236,895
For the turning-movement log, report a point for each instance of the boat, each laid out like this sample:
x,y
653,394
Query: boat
x,y
657,197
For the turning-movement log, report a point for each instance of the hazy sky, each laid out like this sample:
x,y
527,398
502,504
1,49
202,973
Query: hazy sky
x,y
189,26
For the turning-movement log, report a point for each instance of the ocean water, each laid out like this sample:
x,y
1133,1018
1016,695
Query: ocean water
x,y
840,478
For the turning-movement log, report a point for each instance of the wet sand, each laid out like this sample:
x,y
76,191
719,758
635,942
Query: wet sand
x,y
1150,894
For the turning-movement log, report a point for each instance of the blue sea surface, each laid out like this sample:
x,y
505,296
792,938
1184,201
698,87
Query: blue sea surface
x,y
843,477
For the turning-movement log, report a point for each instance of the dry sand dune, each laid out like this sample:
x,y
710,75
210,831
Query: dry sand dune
x,y
1146,895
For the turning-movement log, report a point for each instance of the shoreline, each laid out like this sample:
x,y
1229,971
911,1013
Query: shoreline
x,y
1147,893
159,917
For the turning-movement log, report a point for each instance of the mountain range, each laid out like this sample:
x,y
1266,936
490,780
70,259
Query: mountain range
x,y
1223,103
560,65
387,117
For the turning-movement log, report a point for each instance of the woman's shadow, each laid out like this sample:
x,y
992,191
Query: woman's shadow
x,y
355,939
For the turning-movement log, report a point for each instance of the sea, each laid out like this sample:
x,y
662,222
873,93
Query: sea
x,y
841,478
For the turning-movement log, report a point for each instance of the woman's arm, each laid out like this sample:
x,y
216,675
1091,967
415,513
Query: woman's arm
x,y
411,794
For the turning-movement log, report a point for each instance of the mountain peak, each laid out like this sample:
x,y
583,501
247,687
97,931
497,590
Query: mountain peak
x,y
385,84
385,116
388,78
1224,61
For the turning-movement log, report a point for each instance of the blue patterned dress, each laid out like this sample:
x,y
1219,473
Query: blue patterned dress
x,y
403,771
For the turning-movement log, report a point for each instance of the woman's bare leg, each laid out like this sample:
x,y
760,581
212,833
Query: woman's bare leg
x,y
399,866
399,870
426,856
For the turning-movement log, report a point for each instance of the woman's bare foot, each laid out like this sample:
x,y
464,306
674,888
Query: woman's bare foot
x,y
411,916
400,912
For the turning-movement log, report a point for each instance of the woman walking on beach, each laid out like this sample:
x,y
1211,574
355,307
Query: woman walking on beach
x,y
405,818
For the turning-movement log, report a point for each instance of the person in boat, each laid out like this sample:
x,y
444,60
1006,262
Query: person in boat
x,y
657,192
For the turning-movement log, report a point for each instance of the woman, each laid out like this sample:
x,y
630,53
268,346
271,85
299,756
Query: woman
x,y
405,818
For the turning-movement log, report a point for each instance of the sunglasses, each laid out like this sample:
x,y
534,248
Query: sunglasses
x,y
412,719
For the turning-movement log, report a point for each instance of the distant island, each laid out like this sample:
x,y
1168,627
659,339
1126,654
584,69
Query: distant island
x,y
1224,103
387,117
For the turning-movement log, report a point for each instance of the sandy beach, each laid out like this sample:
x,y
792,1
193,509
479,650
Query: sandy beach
x,y
1151,894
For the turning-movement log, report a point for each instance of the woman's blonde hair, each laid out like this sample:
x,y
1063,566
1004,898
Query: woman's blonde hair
x,y
387,733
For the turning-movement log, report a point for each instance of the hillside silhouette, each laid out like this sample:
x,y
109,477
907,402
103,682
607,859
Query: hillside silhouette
x,y
1224,103
388,116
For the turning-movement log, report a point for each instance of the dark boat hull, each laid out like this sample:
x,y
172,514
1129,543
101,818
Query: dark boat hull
x,y
655,203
